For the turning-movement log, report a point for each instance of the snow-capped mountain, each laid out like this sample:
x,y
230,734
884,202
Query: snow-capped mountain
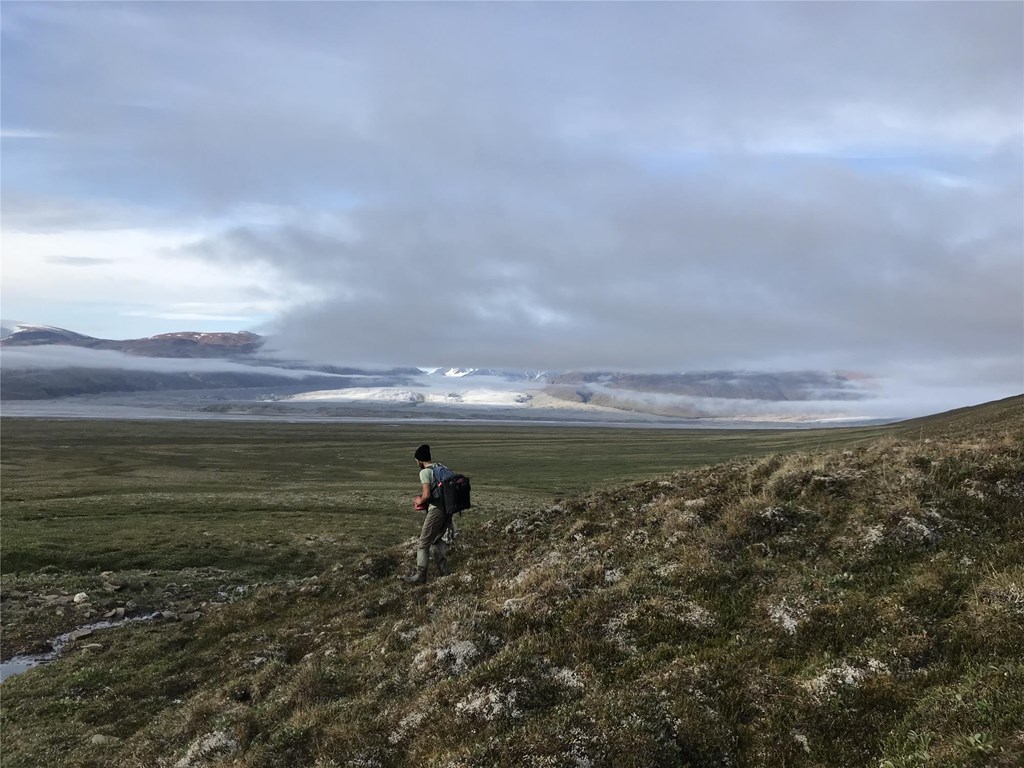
x,y
16,332
501,373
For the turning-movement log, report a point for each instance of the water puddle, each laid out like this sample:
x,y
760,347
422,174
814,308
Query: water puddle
x,y
18,664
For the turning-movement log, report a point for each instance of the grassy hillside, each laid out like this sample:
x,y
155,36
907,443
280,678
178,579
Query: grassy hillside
x,y
847,606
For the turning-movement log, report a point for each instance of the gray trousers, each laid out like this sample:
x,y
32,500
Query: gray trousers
x,y
432,535
434,526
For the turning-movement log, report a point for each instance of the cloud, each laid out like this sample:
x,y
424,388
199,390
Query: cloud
x,y
212,313
78,261
857,270
212,104
14,133
656,186
54,357
105,275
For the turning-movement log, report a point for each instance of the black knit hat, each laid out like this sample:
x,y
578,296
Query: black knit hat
x,y
423,453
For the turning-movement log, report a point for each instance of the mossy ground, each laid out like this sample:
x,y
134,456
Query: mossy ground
x,y
860,605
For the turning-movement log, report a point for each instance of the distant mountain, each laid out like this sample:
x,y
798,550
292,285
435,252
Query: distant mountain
x,y
187,344
14,333
739,385
509,375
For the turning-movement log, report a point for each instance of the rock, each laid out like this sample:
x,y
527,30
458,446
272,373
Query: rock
x,y
112,587
81,597
218,744
101,740
92,647
78,634
191,616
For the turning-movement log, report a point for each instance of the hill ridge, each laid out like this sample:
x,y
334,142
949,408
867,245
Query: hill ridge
x,y
900,575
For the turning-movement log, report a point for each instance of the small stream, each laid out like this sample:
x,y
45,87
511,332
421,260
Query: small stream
x,y
18,664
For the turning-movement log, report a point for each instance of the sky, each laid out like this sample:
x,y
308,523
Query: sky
x,y
617,185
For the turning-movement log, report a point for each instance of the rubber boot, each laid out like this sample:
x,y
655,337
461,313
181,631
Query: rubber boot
x,y
422,562
441,558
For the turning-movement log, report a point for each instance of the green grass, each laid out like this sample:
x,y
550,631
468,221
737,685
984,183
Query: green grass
x,y
82,495
827,598
219,505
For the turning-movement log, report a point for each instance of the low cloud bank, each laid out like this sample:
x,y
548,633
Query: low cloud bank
x,y
888,399
53,357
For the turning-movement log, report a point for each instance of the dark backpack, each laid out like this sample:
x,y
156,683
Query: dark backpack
x,y
450,490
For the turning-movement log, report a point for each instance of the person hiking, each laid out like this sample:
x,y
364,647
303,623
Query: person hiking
x,y
438,528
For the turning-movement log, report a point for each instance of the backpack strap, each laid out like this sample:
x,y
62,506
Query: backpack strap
x,y
436,490
433,473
